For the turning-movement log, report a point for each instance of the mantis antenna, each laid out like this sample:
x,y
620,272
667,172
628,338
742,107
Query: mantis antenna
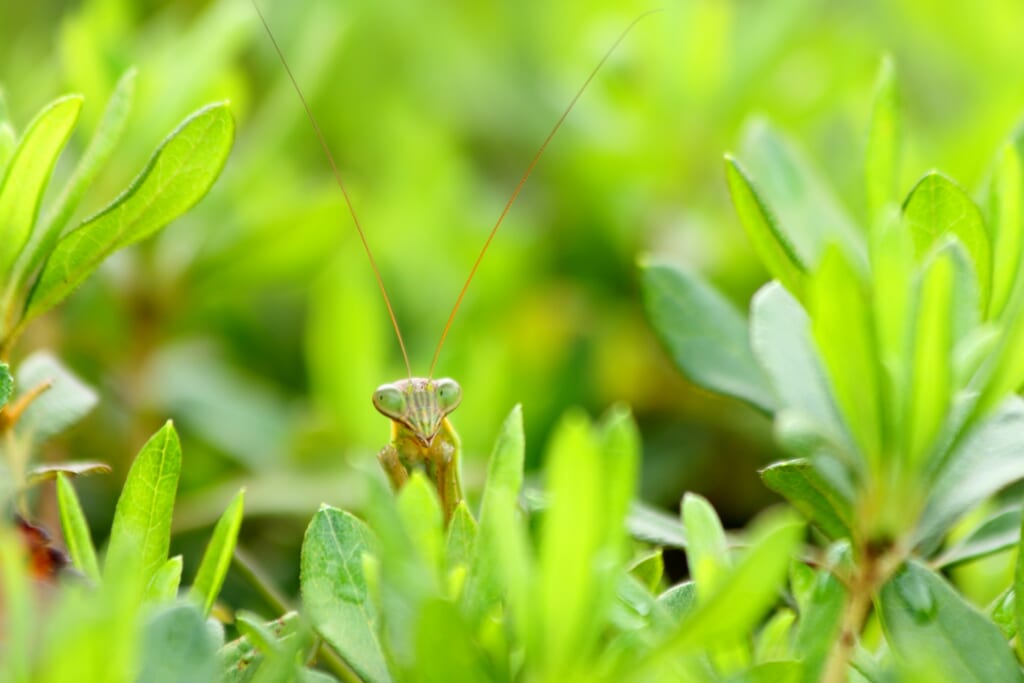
x,y
341,185
526,174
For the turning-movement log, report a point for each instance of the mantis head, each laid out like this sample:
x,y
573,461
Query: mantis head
x,y
418,404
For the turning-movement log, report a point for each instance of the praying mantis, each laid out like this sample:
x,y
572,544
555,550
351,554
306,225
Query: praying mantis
x,y
422,436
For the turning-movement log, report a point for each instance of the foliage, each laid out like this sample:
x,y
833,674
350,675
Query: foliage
x,y
891,357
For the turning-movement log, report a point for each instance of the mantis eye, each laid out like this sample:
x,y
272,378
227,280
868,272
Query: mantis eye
x,y
449,394
389,400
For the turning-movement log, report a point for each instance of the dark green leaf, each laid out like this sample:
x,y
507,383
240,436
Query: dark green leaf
x,y
929,626
334,590
217,558
76,529
141,531
28,172
6,384
771,244
705,334
812,494
937,207
177,176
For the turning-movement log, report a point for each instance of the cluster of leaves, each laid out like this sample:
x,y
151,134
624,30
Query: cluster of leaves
x,y
888,358
561,595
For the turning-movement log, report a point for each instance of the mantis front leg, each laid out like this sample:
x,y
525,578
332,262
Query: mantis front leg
x,y
439,461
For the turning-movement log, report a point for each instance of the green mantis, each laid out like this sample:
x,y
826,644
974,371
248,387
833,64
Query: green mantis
x,y
422,437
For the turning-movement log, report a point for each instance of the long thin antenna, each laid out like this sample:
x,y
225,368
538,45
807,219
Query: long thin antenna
x,y
526,174
341,185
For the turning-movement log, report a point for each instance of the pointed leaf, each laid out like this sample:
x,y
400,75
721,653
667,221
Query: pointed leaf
x,y
217,558
461,541
141,532
881,168
28,173
163,587
76,529
998,531
772,245
177,176
334,590
707,553
705,334
930,627
812,494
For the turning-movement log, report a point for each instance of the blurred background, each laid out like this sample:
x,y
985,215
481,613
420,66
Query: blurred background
x,y
254,322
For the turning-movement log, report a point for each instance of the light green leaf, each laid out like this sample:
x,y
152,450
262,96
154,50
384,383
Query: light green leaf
x,y
76,529
177,176
799,482
1018,588
177,647
420,511
461,541
705,334
772,245
334,590
111,126
774,638
651,525
842,324
819,623
707,553
8,138
28,173
780,336
996,532
937,207
680,600
447,649
141,531
649,569
67,400
217,558
881,167
929,625
743,596
1007,225
163,587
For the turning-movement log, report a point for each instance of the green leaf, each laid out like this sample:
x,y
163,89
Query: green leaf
x,y
461,541
141,531
707,553
64,404
447,650
28,172
1007,226
705,334
217,558
780,336
998,531
8,139
881,167
649,569
929,626
163,587
242,659
420,511
743,596
819,623
6,384
500,564
986,461
840,311
769,241
799,482
651,525
177,176
176,647
937,207
805,207
334,590
931,359
680,600
774,638
1018,588
111,126
76,529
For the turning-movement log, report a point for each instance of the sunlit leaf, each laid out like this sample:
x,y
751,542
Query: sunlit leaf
x,y
141,531
163,587
707,553
217,558
76,529
21,189
881,167
1007,226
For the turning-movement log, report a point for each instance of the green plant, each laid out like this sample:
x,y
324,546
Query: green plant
x,y
888,358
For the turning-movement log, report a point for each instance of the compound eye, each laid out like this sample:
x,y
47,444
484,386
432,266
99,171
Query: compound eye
x,y
449,394
389,400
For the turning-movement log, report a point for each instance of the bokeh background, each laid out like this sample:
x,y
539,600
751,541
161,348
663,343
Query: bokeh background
x,y
254,322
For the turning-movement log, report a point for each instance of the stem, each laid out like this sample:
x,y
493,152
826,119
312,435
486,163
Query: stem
x,y
248,570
